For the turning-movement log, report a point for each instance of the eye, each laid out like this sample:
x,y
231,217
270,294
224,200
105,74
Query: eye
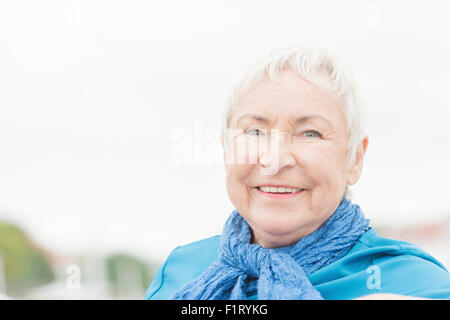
x,y
254,132
312,134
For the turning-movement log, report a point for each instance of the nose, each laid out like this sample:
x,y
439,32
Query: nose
x,y
279,155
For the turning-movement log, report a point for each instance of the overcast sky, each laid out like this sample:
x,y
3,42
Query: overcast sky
x,y
93,92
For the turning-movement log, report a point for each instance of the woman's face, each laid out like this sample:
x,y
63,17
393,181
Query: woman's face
x,y
293,134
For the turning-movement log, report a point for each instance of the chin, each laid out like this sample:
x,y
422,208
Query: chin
x,y
276,226
279,236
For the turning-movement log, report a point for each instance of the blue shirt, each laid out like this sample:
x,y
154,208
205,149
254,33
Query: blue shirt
x,y
373,265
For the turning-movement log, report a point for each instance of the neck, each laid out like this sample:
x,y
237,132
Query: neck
x,y
272,241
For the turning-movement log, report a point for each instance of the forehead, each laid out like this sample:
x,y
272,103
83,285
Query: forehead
x,y
291,96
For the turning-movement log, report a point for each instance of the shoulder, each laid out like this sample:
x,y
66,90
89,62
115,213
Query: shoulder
x,y
209,244
183,264
382,249
400,267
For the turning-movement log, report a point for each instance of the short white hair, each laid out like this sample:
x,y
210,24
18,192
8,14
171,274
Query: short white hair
x,y
309,61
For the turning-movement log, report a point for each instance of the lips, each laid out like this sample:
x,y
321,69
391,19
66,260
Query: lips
x,y
279,191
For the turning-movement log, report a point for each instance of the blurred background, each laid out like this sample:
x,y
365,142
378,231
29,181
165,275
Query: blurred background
x,y
109,128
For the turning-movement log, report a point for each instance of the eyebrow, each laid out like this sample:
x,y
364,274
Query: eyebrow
x,y
297,121
308,117
253,116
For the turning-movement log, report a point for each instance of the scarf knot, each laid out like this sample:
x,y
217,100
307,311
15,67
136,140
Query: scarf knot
x,y
280,273
248,260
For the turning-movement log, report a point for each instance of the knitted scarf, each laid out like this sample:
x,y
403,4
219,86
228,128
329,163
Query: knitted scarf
x,y
243,268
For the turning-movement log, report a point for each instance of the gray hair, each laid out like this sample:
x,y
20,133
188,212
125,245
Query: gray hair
x,y
309,62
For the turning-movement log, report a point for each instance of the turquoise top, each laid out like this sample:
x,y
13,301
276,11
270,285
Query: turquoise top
x,y
374,265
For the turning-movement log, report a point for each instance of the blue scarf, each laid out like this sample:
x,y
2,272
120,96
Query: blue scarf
x,y
244,268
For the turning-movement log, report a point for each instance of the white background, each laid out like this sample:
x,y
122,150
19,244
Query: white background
x,y
92,92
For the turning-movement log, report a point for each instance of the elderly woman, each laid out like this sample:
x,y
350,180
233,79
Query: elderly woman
x,y
294,140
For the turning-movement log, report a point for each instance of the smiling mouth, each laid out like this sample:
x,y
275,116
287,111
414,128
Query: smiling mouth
x,y
279,190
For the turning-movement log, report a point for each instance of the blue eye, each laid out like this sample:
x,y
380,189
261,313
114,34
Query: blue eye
x,y
312,134
253,132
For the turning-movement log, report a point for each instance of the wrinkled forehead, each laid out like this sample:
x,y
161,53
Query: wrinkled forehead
x,y
289,95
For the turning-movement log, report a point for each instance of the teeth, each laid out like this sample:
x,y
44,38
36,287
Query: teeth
x,y
279,190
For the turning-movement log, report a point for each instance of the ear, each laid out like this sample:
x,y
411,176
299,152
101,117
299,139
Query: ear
x,y
356,167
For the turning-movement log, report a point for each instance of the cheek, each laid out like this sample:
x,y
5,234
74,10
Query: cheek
x,y
238,173
325,166
244,150
242,158
236,180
